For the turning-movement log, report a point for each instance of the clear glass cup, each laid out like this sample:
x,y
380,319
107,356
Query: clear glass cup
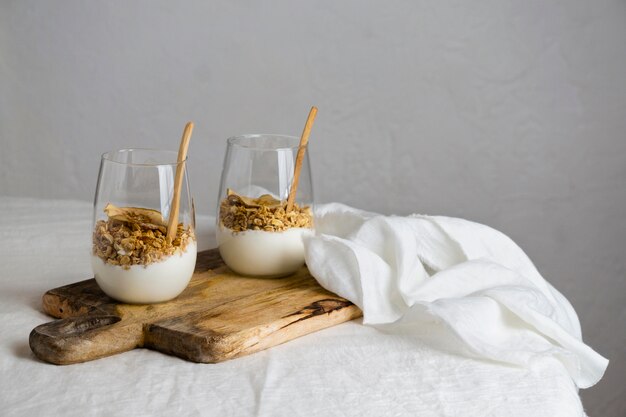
x,y
256,235
132,259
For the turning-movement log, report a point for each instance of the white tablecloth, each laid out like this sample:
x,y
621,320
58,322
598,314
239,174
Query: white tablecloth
x,y
347,370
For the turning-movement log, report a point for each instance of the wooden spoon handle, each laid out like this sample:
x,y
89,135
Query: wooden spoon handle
x,y
304,140
178,182
80,339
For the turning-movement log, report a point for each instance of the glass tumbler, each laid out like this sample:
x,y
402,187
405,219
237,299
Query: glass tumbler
x,y
258,234
133,259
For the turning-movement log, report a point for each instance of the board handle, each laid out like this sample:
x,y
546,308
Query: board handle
x,y
83,338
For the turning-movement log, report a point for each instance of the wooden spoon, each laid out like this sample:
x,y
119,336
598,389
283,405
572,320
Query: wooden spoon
x,y
172,224
304,140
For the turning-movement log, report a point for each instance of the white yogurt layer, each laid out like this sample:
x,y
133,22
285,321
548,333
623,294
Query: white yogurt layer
x,y
260,253
154,283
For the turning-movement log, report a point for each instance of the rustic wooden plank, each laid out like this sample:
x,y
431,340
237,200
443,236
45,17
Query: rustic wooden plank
x,y
252,323
219,316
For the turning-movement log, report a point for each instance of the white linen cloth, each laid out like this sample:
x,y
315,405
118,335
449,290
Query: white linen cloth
x,y
474,281
346,370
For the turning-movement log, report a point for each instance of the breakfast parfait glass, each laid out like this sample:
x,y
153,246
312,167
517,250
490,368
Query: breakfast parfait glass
x,y
134,260
259,231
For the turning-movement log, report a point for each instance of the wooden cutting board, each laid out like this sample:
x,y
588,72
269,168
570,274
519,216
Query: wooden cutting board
x,y
219,316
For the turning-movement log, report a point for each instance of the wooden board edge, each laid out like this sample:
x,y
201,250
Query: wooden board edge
x,y
298,329
215,347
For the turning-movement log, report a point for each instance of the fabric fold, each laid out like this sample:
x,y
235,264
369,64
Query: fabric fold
x,y
475,282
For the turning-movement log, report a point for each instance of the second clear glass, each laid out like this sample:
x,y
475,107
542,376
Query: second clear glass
x,y
256,234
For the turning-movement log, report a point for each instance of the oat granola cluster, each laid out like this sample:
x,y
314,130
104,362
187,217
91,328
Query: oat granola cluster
x,y
240,213
125,240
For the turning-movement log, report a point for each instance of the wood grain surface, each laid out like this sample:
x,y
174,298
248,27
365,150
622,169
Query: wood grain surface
x,y
219,316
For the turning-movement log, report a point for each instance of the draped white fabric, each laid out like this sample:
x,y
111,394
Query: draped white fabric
x,y
484,293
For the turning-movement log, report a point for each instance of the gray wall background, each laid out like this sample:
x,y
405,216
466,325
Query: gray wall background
x,y
510,113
